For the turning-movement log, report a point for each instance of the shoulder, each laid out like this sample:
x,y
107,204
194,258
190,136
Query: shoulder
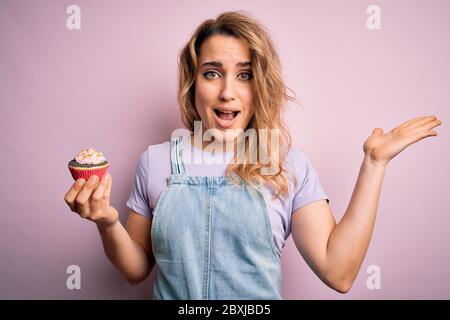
x,y
296,159
159,150
153,155
299,167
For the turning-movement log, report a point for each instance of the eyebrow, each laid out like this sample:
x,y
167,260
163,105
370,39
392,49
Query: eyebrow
x,y
219,64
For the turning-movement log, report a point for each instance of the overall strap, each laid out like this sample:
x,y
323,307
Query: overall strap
x,y
176,153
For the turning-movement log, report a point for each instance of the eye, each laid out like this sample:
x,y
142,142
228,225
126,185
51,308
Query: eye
x,y
248,75
206,74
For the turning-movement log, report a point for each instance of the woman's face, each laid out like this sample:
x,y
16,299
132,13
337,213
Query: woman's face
x,y
223,86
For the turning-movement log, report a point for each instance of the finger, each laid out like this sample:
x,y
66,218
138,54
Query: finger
x,y
107,193
98,194
99,198
424,126
424,134
422,122
418,121
436,123
84,195
377,131
71,195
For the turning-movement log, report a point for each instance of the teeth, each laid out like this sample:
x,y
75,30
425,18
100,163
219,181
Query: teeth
x,y
224,111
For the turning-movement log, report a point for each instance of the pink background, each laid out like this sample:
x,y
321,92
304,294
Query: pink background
x,y
112,85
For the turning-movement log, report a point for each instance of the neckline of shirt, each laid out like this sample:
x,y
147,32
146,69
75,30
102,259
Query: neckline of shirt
x,y
193,155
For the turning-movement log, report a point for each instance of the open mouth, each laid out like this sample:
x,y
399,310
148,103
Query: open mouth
x,y
226,115
226,118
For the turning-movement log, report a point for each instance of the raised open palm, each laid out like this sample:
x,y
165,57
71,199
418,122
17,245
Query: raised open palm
x,y
382,147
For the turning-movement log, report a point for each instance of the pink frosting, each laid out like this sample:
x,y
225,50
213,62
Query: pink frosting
x,y
89,156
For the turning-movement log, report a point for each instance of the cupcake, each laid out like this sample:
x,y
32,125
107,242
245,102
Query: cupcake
x,y
87,163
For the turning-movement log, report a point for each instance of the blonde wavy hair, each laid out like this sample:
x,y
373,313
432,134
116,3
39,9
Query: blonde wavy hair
x,y
270,97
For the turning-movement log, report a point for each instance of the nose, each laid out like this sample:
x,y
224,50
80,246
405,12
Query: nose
x,y
227,91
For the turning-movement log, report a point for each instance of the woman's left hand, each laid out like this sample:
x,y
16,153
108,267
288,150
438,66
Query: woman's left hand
x,y
381,148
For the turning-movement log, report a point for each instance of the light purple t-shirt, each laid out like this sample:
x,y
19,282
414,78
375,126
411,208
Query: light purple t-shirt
x,y
154,168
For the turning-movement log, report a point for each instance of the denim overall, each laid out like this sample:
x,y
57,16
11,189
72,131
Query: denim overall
x,y
212,239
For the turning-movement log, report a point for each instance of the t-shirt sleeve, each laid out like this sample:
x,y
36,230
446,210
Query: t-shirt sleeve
x,y
308,187
138,200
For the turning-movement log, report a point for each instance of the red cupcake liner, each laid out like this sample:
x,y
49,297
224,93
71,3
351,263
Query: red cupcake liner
x,y
86,173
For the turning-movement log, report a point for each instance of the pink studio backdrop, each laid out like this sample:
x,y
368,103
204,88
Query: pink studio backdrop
x,y
112,85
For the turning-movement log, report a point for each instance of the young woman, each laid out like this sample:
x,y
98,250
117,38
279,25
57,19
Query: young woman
x,y
216,230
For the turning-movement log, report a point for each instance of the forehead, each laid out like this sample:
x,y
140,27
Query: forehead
x,y
224,48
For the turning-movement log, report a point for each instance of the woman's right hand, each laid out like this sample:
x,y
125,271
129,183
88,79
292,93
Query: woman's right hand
x,y
91,200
